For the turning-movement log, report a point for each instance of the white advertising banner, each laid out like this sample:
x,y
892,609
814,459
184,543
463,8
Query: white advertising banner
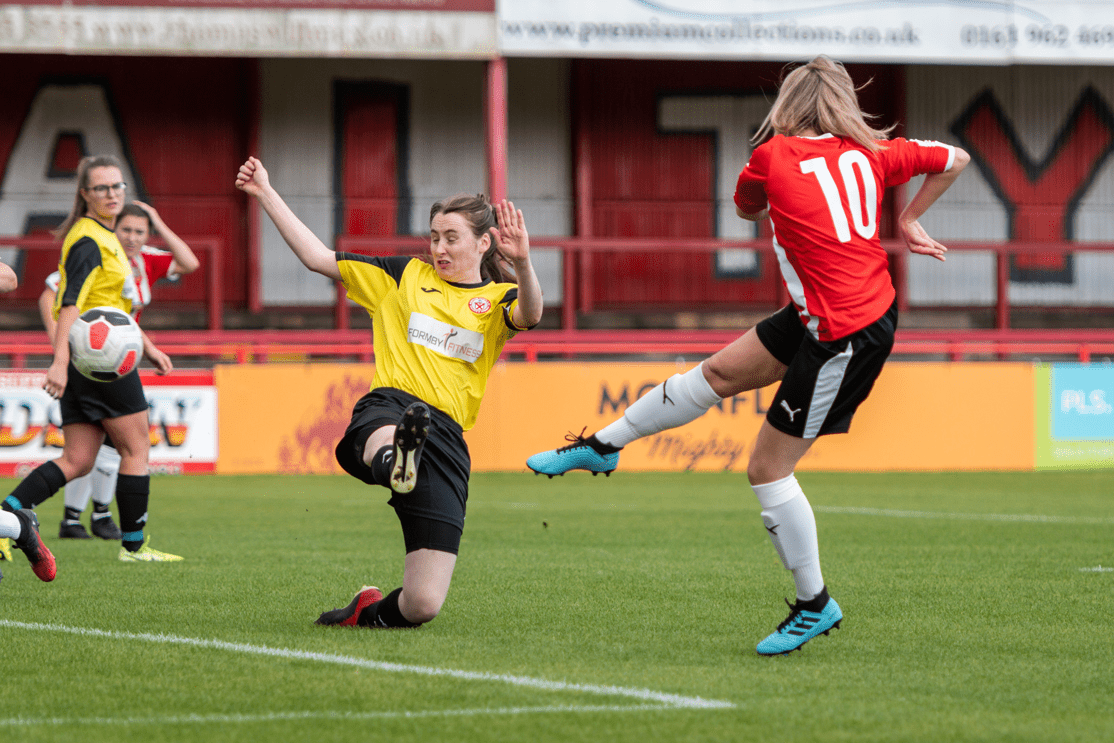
x,y
183,422
243,30
937,31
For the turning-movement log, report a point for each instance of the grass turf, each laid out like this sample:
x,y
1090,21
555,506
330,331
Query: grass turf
x,y
966,617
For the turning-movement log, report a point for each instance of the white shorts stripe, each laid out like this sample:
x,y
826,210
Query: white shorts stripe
x,y
824,394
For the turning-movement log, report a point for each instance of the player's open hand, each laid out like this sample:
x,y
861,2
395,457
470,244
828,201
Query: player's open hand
x,y
514,241
252,178
918,241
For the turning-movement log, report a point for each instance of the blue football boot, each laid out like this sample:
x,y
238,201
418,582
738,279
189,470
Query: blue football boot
x,y
579,455
801,626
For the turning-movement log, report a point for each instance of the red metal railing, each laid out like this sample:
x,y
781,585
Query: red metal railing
x,y
579,295
209,250
343,342
242,347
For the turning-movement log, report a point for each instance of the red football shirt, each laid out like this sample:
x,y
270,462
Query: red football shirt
x,y
824,195
153,264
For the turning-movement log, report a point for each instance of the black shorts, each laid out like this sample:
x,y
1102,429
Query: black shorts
x,y
442,490
86,401
826,380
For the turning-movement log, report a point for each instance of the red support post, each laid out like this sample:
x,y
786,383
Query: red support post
x,y
496,109
581,262
215,290
570,257
255,232
1002,306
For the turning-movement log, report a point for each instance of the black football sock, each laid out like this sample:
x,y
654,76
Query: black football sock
x,y
43,482
72,515
600,447
100,511
132,493
385,613
815,604
382,465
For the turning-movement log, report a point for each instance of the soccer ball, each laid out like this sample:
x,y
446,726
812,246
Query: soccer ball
x,y
105,344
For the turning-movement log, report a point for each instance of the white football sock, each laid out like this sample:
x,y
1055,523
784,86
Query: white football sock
x,y
792,528
104,475
678,400
78,491
9,525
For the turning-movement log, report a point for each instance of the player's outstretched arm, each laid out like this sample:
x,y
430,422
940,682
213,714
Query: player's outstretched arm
x,y
254,181
184,259
934,186
514,244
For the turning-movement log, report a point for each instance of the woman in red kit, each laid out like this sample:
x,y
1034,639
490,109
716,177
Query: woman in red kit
x,y
820,180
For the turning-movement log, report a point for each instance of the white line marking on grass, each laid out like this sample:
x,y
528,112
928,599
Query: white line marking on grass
x,y
1007,517
290,716
672,700
1097,569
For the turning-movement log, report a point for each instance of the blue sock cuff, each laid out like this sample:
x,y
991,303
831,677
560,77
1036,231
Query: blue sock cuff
x,y
13,502
132,536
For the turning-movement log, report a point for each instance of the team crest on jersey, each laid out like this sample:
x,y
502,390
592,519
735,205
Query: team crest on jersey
x,y
479,305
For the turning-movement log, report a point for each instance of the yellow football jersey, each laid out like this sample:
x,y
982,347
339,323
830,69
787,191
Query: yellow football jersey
x,y
435,339
94,270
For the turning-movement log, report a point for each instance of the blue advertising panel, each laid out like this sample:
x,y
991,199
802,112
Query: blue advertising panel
x,y
1082,402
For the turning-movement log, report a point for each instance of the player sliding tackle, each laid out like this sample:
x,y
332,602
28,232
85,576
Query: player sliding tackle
x,y
820,179
476,286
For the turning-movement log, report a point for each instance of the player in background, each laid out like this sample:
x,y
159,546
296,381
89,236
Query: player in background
x,y
820,179
136,223
438,328
94,273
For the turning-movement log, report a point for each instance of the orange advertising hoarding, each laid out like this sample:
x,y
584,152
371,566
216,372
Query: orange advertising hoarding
x,y
920,416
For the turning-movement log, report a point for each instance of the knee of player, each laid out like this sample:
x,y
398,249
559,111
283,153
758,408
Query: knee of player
x,y
137,448
81,470
760,469
422,606
717,373
725,380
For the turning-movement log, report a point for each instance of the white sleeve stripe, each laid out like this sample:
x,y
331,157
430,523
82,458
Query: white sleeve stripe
x,y
933,143
951,158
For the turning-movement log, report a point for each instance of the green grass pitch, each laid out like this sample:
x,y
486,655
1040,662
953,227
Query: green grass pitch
x,y
977,608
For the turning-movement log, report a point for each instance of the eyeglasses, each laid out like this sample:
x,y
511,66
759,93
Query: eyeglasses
x,y
103,190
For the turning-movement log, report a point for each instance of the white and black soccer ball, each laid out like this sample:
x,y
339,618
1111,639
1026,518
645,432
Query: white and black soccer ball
x,y
105,344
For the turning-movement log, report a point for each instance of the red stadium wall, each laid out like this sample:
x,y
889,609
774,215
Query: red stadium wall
x,y
650,183
184,125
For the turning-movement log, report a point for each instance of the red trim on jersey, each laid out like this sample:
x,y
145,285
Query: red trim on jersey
x,y
825,200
